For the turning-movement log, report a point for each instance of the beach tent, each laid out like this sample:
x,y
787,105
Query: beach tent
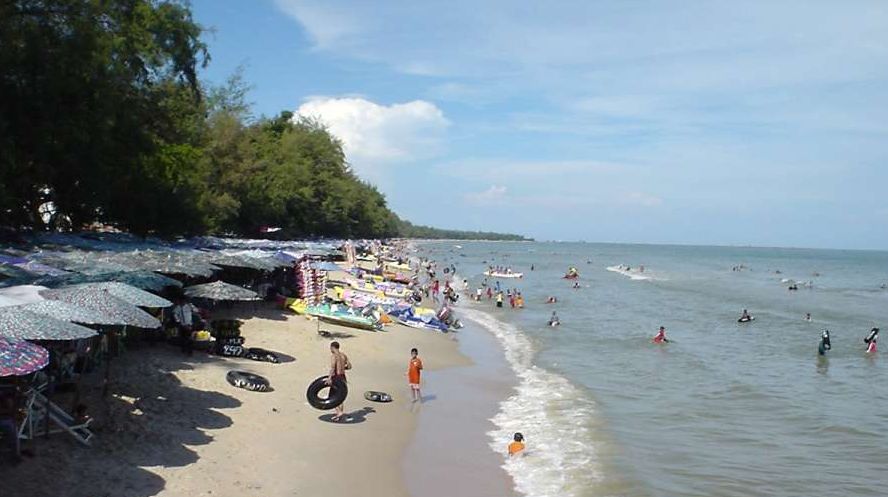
x,y
19,357
219,290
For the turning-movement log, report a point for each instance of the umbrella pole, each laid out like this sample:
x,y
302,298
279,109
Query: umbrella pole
x,y
112,339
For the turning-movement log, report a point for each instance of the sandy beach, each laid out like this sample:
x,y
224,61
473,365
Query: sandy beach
x,y
173,425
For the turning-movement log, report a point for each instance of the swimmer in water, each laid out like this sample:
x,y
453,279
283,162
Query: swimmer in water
x,y
551,300
576,285
517,445
870,341
824,343
745,317
661,336
554,321
808,316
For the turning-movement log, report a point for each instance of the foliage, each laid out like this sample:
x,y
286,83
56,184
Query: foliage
x,y
103,120
409,230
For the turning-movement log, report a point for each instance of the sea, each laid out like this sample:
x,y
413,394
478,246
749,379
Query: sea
x,y
725,408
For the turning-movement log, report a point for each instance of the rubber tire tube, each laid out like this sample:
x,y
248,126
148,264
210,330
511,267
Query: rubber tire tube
x,y
337,395
373,396
257,354
247,381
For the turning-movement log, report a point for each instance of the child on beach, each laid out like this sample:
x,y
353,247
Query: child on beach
x,y
414,370
517,445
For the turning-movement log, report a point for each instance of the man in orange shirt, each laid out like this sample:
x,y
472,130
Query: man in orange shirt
x,y
414,367
517,446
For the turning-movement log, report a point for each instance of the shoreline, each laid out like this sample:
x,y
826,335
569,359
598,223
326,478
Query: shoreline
x,y
450,453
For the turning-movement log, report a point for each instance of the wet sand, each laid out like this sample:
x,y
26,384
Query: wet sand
x,y
451,453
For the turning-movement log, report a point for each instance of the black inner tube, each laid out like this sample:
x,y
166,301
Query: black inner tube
x,y
338,391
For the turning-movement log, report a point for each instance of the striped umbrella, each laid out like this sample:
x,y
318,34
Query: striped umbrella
x,y
18,357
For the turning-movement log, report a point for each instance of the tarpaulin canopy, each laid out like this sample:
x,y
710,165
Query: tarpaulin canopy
x,y
219,290
20,294
19,324
18,357
325,266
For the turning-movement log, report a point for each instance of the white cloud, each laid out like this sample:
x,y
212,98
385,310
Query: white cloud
x,y
492,196
642,199
374,134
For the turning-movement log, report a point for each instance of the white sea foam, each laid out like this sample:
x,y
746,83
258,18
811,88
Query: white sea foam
x,y
554,416
634,275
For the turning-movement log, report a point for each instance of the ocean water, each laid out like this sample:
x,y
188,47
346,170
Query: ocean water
x,y
725,409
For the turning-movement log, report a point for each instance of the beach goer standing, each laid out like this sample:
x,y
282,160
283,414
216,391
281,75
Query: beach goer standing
x,y
661,336
517,445
489,293
414,371
183,315
339,364
499,299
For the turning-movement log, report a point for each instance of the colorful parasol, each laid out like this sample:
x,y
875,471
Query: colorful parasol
x,y
18,357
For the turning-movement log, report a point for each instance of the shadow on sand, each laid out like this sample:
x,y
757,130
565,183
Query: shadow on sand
x,y
350,418
149,419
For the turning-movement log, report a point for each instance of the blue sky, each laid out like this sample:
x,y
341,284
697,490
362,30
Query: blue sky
x,y
742,123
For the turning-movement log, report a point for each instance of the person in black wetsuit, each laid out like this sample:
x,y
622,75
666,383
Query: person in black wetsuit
x,y
824,343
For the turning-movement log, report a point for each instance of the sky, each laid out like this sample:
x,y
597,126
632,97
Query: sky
x,y
698,122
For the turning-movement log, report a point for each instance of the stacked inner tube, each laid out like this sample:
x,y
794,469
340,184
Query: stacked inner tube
x,y
338,391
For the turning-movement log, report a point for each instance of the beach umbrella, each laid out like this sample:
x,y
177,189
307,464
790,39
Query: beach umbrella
x,y
219,290
101,300
146,280
64,311
18,357
128,293
19,324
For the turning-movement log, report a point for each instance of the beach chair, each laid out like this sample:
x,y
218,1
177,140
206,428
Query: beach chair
x,y
39,408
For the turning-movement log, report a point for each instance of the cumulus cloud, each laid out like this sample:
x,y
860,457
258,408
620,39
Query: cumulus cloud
x,y
374,134
496,194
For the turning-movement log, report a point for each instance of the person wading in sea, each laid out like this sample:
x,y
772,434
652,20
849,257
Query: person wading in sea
x,y
339,364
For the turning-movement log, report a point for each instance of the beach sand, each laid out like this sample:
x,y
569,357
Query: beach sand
x,y
174,427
